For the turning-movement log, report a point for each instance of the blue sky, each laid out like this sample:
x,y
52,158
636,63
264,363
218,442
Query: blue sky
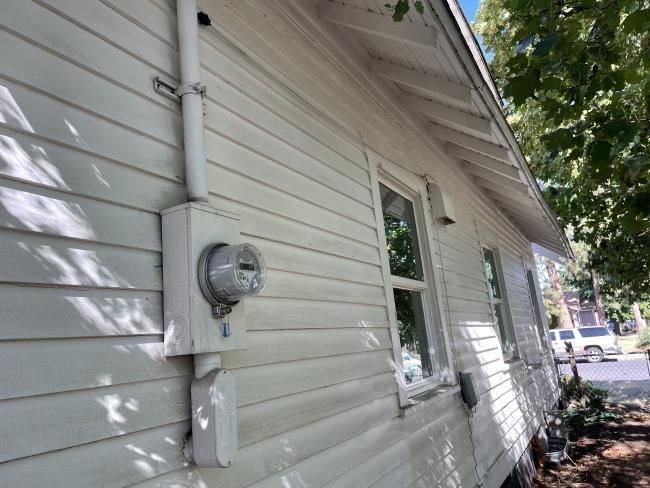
x,y
469,8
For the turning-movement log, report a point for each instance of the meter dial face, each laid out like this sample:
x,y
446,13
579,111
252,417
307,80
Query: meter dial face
x,y
229,273
249,270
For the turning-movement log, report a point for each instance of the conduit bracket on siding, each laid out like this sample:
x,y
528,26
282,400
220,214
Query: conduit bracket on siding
x,y
175,93
197,88
166,89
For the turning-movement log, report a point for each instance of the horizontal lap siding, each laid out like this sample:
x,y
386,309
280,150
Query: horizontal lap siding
x,y
521,306
510,397
288,167
91,155
317,373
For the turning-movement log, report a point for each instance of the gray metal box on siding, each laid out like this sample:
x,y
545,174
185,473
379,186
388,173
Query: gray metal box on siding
x,y
190,327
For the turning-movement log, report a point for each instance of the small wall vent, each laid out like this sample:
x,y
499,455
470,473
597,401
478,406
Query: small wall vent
x,y
441,205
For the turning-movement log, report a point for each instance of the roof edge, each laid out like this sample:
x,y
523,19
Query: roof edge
x,y
493,99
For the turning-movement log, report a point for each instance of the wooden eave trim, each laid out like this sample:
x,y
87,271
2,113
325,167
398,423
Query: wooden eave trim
x,y
469,142
420,81
488,179
379,25
482,160
497,193
455,30
448,114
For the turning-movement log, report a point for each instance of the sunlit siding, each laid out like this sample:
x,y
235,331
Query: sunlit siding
x,y
510,395
90,155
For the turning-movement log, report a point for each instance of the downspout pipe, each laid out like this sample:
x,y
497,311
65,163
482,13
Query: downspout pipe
x,y
191,92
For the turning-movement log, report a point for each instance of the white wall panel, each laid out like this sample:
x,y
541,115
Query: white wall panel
x,y
89,155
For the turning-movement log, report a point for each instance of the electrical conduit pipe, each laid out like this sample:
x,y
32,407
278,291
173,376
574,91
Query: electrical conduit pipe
x,y
191,94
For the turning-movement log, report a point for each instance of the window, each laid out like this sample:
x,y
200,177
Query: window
x,y
504,328
535,303
422,345
566,335
551,336
594,332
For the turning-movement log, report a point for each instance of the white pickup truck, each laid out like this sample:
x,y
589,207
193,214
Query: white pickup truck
x,y
592,342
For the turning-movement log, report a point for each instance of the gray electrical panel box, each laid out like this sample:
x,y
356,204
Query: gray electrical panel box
x,y
190,325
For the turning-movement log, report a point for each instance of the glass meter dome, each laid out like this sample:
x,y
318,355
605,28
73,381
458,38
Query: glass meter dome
x,y
229,273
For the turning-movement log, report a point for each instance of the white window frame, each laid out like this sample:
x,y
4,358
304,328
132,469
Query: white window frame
x,y
503,301
413,188
538,306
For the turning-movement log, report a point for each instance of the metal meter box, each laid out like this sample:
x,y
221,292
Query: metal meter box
x,y
190,326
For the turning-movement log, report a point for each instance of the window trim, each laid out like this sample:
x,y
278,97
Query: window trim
x,y
409,284
398,179
505,303
535,296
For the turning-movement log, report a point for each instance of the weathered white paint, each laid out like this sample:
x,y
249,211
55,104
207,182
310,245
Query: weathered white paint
x,y
496,182
378,25
90,155
482,160
475,144
463,121
191,101
421,81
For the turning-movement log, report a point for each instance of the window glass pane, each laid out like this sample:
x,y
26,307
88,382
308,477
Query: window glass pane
x,y
551,336
416,357
566,335
505,333
491,273
535,303
593,332
401,235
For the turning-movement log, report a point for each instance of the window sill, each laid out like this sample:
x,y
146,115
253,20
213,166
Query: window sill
x,y
514,363
425,400
534,366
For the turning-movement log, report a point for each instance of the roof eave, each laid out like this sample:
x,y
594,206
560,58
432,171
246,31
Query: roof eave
x,y
480,73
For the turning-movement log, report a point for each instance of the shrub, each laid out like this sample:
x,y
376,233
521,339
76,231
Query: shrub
x,y
644,337
585,396
586,404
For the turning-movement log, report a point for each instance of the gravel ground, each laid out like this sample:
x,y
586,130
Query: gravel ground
x,y
614,454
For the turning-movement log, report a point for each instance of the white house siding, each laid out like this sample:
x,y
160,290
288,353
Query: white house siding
x,y
90,155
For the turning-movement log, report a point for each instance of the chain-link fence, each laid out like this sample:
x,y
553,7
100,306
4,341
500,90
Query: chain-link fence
x,y
626,377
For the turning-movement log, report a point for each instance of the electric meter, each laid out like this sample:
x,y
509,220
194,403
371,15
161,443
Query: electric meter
x,y
229,273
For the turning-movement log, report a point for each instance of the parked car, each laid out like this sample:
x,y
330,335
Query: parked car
x,y
412,367
628,326
594,342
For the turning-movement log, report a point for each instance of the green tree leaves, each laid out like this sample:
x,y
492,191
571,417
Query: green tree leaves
x,y
544,46
576,77
637,22
402,7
